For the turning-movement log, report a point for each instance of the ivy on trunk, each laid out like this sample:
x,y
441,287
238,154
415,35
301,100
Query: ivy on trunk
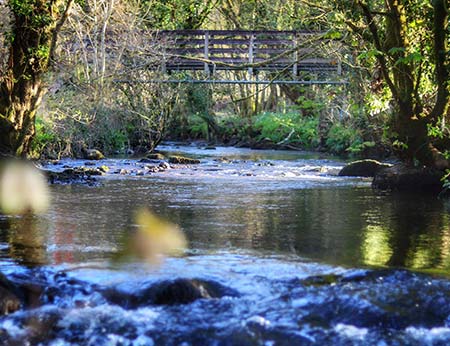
x,y
32,41
409,40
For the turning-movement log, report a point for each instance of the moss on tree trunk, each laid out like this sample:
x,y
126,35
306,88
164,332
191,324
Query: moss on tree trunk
x,y
35,25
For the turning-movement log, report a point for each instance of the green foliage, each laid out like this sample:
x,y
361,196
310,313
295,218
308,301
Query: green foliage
x,y
45,138
234,127
197,127
20,7
292,128
177,14
446,183
309,106
342,139
436,131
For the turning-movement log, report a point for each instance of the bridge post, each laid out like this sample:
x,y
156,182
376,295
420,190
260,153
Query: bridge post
x,y
251,53
163,62
295,65
206,53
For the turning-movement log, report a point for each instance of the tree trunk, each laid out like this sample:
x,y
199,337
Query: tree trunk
x,y
404,78
16,135
413,133
34,29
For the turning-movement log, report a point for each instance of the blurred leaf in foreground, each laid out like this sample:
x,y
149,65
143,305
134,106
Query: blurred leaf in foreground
x,y
23,189
154,239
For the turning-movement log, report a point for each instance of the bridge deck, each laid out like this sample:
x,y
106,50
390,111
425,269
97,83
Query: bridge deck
x,y
254,51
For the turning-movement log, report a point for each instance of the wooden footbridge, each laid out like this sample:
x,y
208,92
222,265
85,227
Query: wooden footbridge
x,y
282,57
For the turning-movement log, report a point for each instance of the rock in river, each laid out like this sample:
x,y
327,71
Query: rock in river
x,y
362,168
155,156
183,160
92,154
170,292
404,178
73,175
9,302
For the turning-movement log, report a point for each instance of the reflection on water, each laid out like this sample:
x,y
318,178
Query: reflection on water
x,y
376,249
339,225
246,233
287,205
26,237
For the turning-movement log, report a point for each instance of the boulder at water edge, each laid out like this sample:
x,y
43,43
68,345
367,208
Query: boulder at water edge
x,y
405,178
93,154
362,168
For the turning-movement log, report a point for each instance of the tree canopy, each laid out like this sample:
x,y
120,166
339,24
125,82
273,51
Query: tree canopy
x,y
396,53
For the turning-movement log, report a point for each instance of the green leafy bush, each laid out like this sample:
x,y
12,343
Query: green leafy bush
x,y
345,139
197,127
45,139
289,128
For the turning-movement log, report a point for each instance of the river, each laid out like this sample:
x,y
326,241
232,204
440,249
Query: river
x,y
313,259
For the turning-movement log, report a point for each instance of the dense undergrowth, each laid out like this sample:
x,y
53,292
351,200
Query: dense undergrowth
x,y
121,119
135,118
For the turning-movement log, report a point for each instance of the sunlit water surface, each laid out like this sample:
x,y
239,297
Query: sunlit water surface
x,y
260,222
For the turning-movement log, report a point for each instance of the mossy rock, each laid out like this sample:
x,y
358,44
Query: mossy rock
x,y
93,154
155,156
183,160
362,168
73,175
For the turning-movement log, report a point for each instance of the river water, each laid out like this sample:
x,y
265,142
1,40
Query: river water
x,y
312,258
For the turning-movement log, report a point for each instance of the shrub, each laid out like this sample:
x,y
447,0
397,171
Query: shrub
x,y
343,138
289,128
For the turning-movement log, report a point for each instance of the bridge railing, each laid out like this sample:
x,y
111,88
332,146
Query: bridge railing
x,y
254,51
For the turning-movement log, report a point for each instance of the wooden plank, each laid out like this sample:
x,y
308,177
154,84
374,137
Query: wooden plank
x,y
206,53
234,50
273,42
184,42
233,41
236,32
267,52
250,54
227,81
228,51
245,61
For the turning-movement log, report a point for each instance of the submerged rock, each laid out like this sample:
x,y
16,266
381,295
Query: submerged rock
x,y
404,178
183,160
170,292
363,168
